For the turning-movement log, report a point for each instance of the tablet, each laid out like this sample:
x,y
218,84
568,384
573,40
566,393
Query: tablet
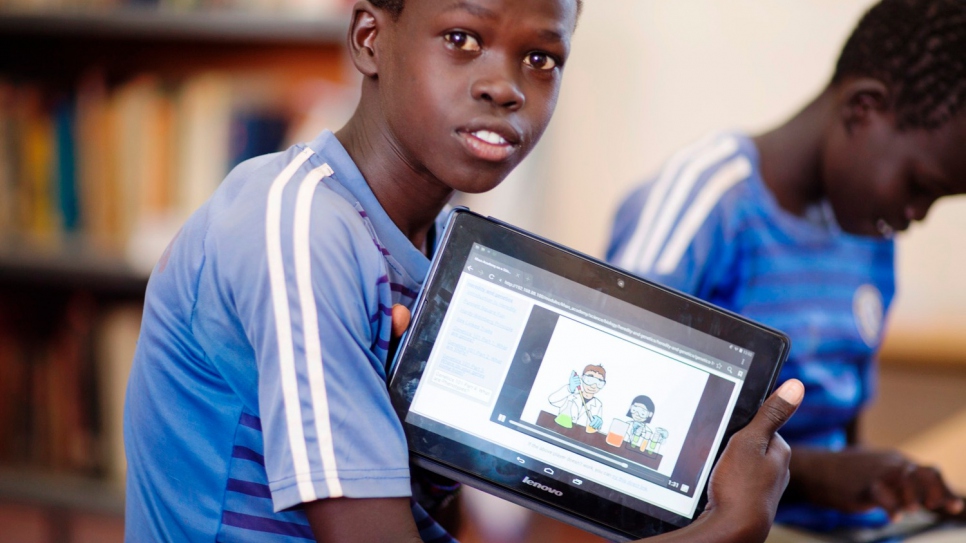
x,y
571,387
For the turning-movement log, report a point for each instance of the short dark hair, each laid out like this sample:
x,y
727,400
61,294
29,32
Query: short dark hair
x,y
918,49
395,7
646,402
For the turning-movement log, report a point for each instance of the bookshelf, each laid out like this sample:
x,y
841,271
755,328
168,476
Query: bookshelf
x,y
133,24
62,491
72,265
57,47
71,287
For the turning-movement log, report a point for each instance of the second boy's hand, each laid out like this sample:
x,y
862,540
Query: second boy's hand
x,y
858,479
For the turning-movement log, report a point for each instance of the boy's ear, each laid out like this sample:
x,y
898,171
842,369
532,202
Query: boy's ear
x,y
861,99
367,22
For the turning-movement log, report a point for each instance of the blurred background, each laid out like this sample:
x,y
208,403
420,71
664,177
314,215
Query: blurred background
x,y
119,117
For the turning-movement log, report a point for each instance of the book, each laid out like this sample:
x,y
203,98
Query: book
x,y
96,172
115,342
37,214
66,182
8,156
124,163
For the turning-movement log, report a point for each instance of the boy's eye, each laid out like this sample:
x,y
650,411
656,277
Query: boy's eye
x,y
462,41
540,61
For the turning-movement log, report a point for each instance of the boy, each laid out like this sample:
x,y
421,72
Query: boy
x,y
257,407
793,228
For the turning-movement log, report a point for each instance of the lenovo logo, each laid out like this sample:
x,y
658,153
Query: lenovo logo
x,y
545,488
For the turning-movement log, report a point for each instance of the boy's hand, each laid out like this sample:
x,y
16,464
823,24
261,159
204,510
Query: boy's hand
x,y
858,479
400,320
748,480
752,473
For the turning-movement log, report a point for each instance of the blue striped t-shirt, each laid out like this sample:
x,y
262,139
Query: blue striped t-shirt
x,y
707,225
259,379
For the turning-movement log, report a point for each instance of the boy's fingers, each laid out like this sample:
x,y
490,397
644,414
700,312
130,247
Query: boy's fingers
x,y
913,488
779,407
936,495
400,320
934,492
885,497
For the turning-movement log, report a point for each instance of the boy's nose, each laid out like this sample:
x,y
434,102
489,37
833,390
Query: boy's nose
x,y
500,91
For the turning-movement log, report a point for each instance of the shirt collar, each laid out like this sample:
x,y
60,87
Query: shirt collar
x,y
348,175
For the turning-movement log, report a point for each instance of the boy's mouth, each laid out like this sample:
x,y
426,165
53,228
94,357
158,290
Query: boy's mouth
x,y
488,145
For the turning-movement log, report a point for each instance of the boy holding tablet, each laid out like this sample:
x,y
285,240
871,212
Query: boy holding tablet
x,y
257,407
794,228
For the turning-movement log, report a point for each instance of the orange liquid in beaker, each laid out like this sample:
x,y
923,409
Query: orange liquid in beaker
x,y
614,439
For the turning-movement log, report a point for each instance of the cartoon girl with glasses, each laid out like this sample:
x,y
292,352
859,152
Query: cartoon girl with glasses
x,y
639,433
576,401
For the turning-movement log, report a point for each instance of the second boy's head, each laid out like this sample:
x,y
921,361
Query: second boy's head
x,y
461,90
897,141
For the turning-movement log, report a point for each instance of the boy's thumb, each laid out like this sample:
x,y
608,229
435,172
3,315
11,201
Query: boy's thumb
x,y
779,407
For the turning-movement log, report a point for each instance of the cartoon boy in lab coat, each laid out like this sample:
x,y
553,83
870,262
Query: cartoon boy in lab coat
x,y
577,400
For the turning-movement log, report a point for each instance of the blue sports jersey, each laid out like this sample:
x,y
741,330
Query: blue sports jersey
x,y
707,225
259,380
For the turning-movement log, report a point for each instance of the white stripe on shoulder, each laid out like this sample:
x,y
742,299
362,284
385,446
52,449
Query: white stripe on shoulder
x,y
310,320
674,204
729,175
632,252
283,327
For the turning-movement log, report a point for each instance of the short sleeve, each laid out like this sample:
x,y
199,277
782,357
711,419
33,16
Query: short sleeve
x,y
681,232
309,302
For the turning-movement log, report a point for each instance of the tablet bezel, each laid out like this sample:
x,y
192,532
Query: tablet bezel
x,y
579,506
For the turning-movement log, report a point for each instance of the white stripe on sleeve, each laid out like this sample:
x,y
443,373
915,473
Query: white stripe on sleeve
x,y
632,252
283,327
313,348
674,204
726,177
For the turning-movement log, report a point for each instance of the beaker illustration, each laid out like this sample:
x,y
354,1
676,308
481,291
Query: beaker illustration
x,y
657,438
615,436
564,420
640,438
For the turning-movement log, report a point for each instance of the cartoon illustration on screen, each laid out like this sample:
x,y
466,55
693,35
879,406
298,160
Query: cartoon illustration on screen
x,y
576,401
638,432
639,436
652,401
635,434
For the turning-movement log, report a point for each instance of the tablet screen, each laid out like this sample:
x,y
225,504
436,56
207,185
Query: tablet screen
x,y
581,387
572,387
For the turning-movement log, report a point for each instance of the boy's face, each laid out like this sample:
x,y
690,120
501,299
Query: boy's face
x,y
879,179
468,86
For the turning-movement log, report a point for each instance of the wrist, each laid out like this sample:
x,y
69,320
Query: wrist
x,y
803,468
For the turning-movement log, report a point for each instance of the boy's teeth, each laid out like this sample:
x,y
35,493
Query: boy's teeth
x,y
490,137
